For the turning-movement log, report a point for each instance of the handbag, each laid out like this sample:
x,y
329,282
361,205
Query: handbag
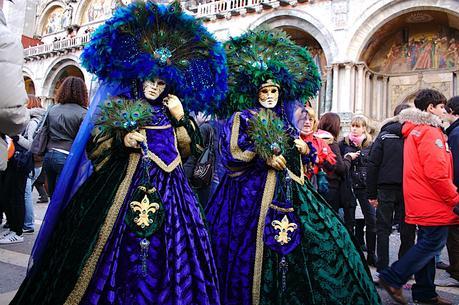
x,y
322,182
204,169
41,137
23,158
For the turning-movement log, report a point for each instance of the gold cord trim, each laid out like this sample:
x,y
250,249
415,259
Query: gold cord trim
x,y
102,145
162,165
87,272
167,168
236,151
283,210
299,180
158,127
184,141
268,194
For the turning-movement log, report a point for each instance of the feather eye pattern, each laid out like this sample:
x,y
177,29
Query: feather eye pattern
x,y
146,40
117,114
263,54
267,133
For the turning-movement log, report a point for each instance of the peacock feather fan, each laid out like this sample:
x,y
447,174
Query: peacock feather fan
x,y
146,40
117,114
259,55
267,133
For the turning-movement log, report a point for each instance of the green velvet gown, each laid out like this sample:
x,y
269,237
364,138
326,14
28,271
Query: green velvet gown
x,y
272,252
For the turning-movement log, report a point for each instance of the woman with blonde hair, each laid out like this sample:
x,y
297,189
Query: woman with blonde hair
x,y
325,160
359,141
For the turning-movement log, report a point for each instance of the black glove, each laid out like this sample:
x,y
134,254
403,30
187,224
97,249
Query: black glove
x,y
456,209
15,138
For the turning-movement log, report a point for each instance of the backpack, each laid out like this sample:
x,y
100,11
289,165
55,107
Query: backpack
x,y
24,158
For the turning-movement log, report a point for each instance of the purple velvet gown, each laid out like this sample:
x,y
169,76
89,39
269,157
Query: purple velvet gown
x,y
318,264
180,266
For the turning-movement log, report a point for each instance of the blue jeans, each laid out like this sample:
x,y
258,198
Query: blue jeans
x,y
53,164
29,218
420,261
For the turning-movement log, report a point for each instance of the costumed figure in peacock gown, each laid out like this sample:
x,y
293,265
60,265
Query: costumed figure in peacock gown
x,y
124,226
275,240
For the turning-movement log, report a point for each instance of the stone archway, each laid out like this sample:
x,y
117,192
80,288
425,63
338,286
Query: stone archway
x,y
294,18
384,11
29,85
58,71
45,14
311,33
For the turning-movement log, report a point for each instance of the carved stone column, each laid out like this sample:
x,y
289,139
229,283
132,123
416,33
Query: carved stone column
x,y
376,90
328,91
360,90
384,99
334,106
368,93
346,96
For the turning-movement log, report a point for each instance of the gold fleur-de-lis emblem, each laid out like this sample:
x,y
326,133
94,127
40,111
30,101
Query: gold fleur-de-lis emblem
x,y
143,208
284,226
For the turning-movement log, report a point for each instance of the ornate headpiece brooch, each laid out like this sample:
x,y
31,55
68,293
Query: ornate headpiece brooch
x,y
146,40
261,55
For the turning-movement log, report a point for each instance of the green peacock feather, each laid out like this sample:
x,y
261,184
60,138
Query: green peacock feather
x,y
169,44
267,133
117,114
260,55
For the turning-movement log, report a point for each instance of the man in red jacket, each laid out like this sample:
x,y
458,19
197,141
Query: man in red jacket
x,y
430,196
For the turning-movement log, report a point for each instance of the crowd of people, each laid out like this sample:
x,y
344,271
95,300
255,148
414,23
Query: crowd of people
x,y
265,202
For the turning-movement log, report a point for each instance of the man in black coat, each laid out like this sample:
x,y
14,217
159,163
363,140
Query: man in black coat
x,y
384,187
453,234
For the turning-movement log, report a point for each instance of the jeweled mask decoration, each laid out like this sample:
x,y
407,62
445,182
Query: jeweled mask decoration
x,y
163,55
268,95
153,89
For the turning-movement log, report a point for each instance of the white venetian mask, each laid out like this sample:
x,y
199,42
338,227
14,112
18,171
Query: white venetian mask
x,y
268,95
153,89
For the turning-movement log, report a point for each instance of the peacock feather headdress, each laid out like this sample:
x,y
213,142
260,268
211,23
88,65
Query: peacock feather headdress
x,y
145,40
261,55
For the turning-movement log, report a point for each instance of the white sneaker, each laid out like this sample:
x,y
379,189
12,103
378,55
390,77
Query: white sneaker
x,y
11,238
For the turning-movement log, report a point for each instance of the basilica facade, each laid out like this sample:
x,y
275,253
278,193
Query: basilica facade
x,y
372,54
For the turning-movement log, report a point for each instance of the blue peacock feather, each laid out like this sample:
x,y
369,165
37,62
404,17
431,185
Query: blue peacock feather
x,y
145,40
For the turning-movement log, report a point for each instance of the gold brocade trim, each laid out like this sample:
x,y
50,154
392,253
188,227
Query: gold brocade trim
x,y
87,272
184,141
299,180
236,151
283,210
158,127
268,194
102,145
162,165
167,168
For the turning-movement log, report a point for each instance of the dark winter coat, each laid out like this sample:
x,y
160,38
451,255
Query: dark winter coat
x,y
453,141
385,162
336,173
358,169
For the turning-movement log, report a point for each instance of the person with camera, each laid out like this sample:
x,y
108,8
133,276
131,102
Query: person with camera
x,y
357,146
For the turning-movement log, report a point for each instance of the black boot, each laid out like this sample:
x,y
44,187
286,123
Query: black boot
x,y
371,247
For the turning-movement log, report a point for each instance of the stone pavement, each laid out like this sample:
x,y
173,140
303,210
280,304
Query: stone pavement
x,y
14,259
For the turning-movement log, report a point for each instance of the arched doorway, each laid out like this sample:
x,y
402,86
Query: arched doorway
x,y
29,85
307,31
67,71
306,40
415,50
